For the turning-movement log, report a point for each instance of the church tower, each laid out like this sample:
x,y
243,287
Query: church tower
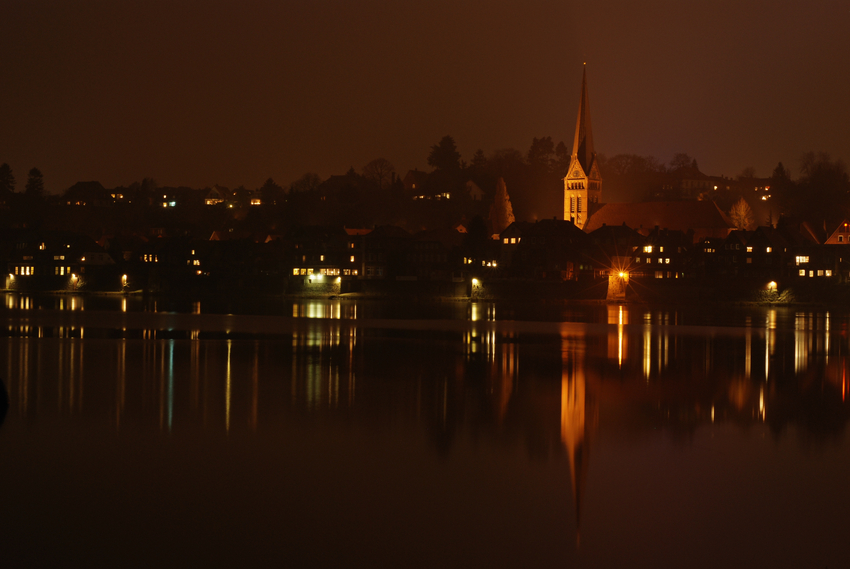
x,y
582,184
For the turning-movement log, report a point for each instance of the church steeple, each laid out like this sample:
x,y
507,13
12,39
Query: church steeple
x,y
583,141
582,184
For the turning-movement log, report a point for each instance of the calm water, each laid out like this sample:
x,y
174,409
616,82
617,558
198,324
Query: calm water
x,y
327,433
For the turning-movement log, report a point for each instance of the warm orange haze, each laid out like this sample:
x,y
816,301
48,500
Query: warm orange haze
x,y
367,284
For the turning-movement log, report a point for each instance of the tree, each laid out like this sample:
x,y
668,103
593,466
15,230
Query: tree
x,y
444,156
501,213
379,171
541,154
271,193
680,161
479,161
741,215
7,179
308,182
747,173
35,184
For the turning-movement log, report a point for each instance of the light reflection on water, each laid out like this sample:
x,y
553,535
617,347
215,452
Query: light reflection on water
x,y
551,408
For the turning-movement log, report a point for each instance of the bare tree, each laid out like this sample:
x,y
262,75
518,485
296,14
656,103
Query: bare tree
x,y
380,171
746,173
741,215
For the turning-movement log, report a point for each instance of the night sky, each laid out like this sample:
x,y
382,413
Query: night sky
x,y
202,92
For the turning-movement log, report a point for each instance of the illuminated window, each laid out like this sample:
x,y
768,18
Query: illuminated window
x,y
661,249
749,249
820,273
295,271
354,272
667,261
637,259
41,247
513,240
578,205
768,249
802,272
828,273
346,272
659,274
802,259
17,270
811,273
196,262
321,257
505,241
647,248
352,259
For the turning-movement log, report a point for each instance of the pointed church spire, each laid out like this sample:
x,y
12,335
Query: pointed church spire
x,y
583,142
583,182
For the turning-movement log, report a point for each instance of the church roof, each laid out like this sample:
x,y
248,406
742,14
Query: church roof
x,y
704,217
583,140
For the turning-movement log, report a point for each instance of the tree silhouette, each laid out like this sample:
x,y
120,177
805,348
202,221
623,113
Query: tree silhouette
x,y
444,156
502,213
35,184
7,179
380,171
741,215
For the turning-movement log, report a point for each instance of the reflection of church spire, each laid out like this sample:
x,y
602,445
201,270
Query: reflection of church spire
x,y
575,424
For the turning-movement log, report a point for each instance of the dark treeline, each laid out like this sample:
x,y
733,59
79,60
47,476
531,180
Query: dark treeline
x,y
377,194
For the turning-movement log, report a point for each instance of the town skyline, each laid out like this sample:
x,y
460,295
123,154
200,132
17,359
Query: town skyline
x,y
195,95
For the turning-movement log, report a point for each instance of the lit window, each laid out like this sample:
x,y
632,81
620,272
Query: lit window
x,y
811,273
505,241
749,249
661,249
828,273
769,249
659,274
820,273
802,272
513,240
647,249
352,258
802,259
354,272
637,259
321,257
667,261
295,271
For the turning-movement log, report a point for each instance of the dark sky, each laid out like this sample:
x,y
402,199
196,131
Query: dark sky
x,y
199,92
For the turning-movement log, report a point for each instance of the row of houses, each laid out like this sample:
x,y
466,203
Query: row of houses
x,y
690,240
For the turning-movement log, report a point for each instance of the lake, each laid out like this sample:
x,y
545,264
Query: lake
x,y
327,433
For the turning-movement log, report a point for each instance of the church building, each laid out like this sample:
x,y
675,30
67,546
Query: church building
x,y
583,183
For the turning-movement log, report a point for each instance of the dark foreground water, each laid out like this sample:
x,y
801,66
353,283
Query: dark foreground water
x,y
335,434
